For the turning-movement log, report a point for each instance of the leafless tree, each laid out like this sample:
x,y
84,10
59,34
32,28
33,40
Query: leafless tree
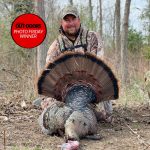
x,y
41,49
71,2
117,33
149,23
124,38
101,19
90,14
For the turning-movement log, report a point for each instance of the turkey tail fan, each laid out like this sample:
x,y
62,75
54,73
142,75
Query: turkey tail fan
x,y
72,68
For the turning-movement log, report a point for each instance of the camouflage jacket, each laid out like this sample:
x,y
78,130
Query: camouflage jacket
x,y
86,40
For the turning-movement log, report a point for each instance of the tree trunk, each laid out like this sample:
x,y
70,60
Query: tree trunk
x,y
114,29
124,39
71,2
41,49
117,33
101,18
90,14
149,23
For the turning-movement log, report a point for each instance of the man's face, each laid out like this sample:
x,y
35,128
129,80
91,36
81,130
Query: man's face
x,y
70,24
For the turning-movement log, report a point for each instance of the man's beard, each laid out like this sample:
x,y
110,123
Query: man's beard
x,y
72,32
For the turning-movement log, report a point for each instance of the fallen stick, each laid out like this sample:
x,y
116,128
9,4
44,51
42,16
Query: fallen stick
x,y
146,115
142,141
4,139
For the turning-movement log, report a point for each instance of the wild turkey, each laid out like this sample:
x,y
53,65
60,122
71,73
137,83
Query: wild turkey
x,y
53,117
77,80
58,118
72,68
80,124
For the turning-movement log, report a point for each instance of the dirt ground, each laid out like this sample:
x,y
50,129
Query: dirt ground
x,y
19,130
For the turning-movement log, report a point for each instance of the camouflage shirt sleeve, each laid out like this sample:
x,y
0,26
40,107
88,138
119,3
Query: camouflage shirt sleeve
x,y
52,52
95,44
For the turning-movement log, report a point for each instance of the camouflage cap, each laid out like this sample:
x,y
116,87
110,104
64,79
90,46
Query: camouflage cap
x,y
69,10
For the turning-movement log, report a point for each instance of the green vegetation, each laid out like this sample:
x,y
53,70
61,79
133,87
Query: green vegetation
x,y
135,40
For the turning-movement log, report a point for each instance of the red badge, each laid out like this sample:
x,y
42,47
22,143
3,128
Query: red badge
x,y
28,30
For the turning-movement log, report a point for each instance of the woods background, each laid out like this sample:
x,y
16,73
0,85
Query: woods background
x,y
126,47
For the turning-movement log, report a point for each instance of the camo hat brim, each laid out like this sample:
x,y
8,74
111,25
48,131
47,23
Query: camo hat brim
x,y
69,10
